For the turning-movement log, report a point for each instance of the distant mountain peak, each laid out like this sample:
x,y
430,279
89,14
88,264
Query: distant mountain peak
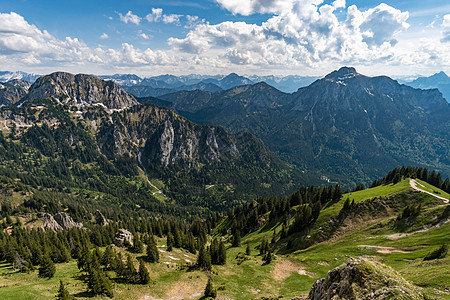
x,y
342,73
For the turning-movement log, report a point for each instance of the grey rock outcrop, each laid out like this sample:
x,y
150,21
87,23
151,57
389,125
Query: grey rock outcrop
x,y
58,222
123,237
80,90
363,279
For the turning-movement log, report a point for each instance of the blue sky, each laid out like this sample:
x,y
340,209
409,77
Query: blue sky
x,y
304,37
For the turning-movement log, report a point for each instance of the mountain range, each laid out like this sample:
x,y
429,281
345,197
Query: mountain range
x,y
67,119
348,126
437,81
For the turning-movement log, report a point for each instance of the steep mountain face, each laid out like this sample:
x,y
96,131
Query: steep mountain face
x,y
108,135
439,81
80,90
349,126
12,91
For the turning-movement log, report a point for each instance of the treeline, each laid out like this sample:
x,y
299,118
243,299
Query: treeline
x,y
303,206
434,178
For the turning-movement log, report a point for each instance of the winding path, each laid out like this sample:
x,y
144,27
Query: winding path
x,y
158,191
414,184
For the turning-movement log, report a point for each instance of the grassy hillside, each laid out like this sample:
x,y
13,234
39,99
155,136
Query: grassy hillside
x,y
374,234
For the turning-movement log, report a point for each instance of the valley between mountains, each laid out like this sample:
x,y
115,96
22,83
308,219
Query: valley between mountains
x,y
224,188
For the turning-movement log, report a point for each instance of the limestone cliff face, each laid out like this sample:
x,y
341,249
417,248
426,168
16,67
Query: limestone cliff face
x,y
80,90
164,138
58,222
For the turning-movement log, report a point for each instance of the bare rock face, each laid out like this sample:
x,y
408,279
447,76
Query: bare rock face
x,y
80,90
123,237
100,218
58,222
49,223
363,279
12,91
65,221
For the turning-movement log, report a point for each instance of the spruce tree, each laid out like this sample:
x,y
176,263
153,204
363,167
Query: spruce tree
x,y
144,276
222,259
63,293
204,259
152,251
210,291
47,268
170,242
236,239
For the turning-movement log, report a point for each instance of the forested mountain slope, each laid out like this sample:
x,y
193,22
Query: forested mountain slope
x,y
348,126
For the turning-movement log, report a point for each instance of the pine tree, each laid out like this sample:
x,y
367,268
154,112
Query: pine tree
x,y
222,259
108,257
210,291
152,251
204,259
144,276
63,293
236,239
131,273
268,257
247,250
47,268
170,242
138,246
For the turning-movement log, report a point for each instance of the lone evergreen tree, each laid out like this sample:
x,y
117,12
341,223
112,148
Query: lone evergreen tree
x,y
210,291
144,276
63,293
47,268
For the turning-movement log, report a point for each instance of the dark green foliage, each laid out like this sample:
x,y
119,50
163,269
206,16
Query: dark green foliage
x,y
247,250
236,242
204,259
152,251
47,268
433,178
144,276
264,247
170,241
138,246
63,293
217,252
410,211
438,253
210,291
267,259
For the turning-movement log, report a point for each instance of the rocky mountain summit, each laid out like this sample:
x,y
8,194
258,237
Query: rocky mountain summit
x,y
348,126
363,279
80,90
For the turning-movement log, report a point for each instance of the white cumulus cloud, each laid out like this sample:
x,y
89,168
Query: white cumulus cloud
x,y
129,17
155,16
104,36
446,29
299,32
172,19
